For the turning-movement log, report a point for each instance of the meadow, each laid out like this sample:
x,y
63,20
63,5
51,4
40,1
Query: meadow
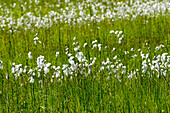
x,y
84,56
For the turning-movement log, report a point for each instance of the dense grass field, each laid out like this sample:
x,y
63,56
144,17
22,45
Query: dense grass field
x,y
84,56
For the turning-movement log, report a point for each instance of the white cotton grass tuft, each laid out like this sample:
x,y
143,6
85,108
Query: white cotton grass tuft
x,y
29,55
74,38
158,47
119,35
40,61
31,79
94,41
70,60
99,46
76,48
94,46
35,40
116,32
79,56
120,32
46,70
85,44
112,31
69,54
57,53
132,49
113,49
1,66
115,57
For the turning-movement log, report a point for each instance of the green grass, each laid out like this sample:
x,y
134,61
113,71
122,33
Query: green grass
x,y
99,91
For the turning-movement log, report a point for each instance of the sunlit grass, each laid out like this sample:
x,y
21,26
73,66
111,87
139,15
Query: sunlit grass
x,y
115,65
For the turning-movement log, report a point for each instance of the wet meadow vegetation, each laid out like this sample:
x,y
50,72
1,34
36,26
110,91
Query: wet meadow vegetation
x,y
84,56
